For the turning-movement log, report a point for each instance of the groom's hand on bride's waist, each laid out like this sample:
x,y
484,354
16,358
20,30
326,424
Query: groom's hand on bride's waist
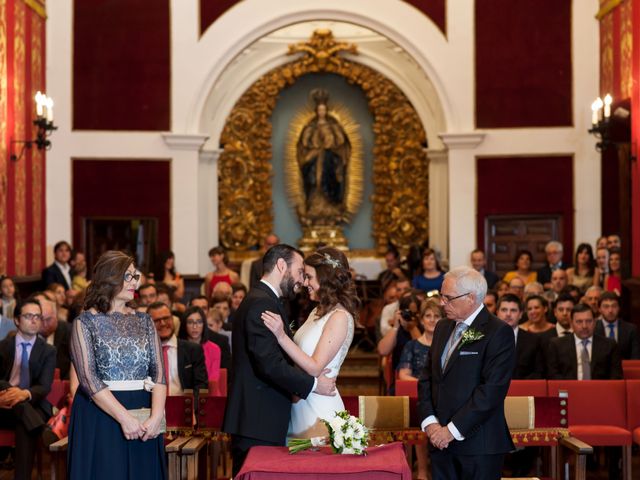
x,y
325,385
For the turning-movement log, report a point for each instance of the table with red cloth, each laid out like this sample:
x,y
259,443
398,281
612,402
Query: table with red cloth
x,y
275,463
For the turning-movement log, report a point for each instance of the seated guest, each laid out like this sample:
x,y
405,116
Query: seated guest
x,y
221,273
613,327
222,303
27,364
148,294
404,328
55,292
490,301
574,292
562,308
613,279
537,309
166,294
529,359
255,274
601,243
523,271
502,288
559,281
220,340
8,290
602,265
393,270
431,274
554,251
55,333
516,287
78,263
238,292
215,322
479,262
582,273
165,272
60,270
592,298
614,241
583,355
533,288
402,286
184,360
193,327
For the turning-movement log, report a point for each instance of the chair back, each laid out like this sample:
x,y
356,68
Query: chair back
x,y
179,412
593,402
533,388
222,382
407,388
59,390
384,412
631,373
351,404
630,364
633,404
211,412
520,412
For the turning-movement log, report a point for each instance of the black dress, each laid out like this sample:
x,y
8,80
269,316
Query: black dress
x,y
109,347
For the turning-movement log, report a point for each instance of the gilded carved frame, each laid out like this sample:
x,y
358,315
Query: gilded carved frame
x,y
400,166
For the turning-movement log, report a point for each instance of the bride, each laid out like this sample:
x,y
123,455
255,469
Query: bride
x,y
324,339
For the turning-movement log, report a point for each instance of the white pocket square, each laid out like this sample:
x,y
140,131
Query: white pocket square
x,y
469,353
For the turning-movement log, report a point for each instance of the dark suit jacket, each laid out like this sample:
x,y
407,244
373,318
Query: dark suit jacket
x,y
53,274
529,359
225,351
191,367
628,342
61,339
256,272
562,359
471,390
544,273
491,278
263,377
42,363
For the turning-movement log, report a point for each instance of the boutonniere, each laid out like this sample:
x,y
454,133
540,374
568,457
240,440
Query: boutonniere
x,y
470,335
292,324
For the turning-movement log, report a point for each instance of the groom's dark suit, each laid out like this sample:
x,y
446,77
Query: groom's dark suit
x,y
469,393
263,378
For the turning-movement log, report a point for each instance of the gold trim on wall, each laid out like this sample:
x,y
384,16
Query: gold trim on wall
x,y
37,6
400,166
607,7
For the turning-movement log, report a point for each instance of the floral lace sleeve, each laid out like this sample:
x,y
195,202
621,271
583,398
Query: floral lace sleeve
x,y
156,366
83,356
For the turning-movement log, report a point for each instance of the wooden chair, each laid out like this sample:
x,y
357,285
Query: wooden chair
x,y
184,460
210,415
598,414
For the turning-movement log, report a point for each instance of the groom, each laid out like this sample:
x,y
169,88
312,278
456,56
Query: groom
x,y
264,378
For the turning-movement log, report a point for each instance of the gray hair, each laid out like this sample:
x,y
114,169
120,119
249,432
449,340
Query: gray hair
x,y
594,288
537,286
468,279
553,243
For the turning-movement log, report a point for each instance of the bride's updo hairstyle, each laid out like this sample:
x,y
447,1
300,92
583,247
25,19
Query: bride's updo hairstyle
x,y
336,284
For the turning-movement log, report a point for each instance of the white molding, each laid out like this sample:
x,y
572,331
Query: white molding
x,y
180,141
462,141
211,156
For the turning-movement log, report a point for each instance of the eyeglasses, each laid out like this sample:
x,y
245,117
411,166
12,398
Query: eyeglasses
x,y
449,298
31,316
192,323
166,318
132,276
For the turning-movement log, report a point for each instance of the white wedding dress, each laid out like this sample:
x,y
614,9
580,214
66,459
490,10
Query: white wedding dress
x,y
307,414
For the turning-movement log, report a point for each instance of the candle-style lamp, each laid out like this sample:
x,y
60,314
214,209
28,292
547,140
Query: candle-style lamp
x,y
600,121
44,127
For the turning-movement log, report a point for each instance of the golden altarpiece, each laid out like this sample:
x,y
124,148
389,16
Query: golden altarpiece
x,y
324,158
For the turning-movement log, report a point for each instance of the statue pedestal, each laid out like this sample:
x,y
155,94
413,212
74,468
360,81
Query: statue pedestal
x,y
314,237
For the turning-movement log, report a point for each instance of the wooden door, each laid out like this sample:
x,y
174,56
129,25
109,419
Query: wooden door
x,y
505,235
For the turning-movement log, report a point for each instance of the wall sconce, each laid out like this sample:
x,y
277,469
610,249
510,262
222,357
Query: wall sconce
x,y
600,122
44,124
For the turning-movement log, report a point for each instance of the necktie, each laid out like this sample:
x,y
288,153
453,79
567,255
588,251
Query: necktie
x,y
452,343
24,367
584,360
165,357
612,333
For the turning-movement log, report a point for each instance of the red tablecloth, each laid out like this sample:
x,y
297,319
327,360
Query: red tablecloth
x,y
274,463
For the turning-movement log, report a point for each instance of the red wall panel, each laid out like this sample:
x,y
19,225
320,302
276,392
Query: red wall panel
x,y
121,65
122,188
211,10
436,10
523,63
524,186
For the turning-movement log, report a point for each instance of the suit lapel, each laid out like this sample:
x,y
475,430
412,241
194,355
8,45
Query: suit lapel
x,y
438,349
280,306
180,355
478,324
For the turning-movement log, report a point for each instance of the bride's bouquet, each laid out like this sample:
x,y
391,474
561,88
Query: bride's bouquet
x,y
347,435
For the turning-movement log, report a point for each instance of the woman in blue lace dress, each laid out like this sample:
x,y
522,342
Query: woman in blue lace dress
x,y
118,357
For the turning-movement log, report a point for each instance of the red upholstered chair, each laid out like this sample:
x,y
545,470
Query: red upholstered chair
x,y
631,373
598,414
633,408
630,364
527,388
407,388
210,416
351,404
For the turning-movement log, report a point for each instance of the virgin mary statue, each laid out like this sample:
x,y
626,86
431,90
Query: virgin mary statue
x,y
323,153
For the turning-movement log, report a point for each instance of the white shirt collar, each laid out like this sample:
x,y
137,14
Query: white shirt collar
x,y
271,287
64,267
172,342
560,329
473,316
20,339
606,323
579,340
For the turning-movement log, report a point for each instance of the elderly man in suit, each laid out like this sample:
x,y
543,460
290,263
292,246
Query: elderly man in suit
x,y
479,262
27,364
583,355
554,251
613,327
529,360
466,378
183,360
264,380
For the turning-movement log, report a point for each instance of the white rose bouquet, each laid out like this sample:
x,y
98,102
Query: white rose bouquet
x,y
347,435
